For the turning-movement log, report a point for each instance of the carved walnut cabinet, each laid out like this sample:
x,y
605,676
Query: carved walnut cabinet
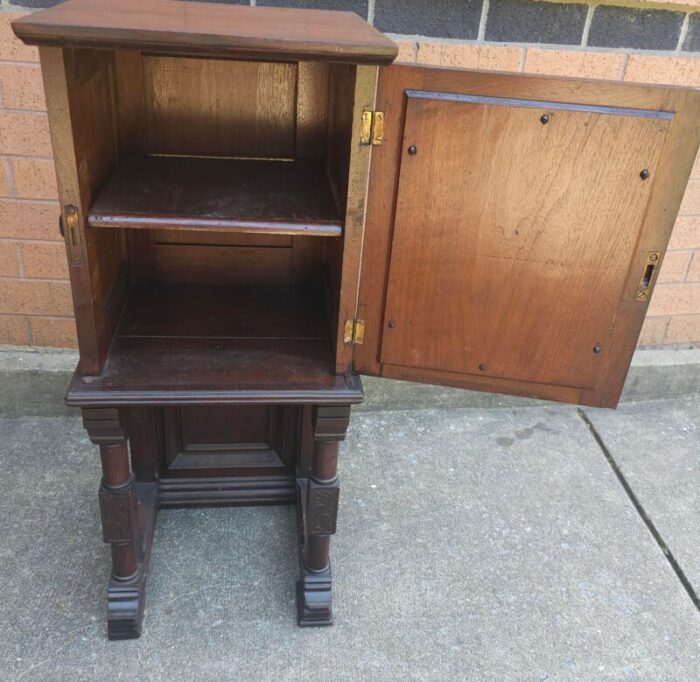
x,y
258,207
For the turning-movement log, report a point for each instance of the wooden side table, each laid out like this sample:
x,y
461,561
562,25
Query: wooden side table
x,y
257,208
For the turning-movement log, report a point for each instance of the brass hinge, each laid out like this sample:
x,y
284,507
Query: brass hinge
x,y
372,128
354,331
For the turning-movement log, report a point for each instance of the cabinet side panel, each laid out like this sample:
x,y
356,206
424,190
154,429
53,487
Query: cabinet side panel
x,y
80,90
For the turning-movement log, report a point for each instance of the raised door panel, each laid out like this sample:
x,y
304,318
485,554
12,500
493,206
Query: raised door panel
x,y
239,440
514,221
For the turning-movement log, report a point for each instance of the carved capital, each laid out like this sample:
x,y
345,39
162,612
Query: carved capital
x,y
105,426
331,422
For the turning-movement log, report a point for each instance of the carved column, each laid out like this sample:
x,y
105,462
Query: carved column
x,y
318,507
120,521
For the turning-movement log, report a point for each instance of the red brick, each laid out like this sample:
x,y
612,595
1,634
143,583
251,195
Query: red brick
x,y
25,133
34,178
407,51
44,261
57,332
13,330
9,264
675,266
643,68
691,199
487,57
580,63
11,47
22,87
653,331
29,220
673,299
686,233
29,297
683,330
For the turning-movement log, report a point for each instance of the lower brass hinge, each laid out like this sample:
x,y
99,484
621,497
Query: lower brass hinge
x,y
372,128
354,331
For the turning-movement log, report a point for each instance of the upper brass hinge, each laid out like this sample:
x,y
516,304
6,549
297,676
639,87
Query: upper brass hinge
x,y
354,331
372,128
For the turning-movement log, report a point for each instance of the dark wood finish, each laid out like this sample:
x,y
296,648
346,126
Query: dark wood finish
x,y
262,104
504,250
230,440
227,491
144,371
128,512
188,345
166,192
126,599
317,505
206,311
211,29
79,87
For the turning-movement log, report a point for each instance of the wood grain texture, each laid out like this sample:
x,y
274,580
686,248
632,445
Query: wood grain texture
x,y
358,164
227,440
201,311
182,371
207,264
212,107
167,192
80,89
209,29
512,238
193,344
530,285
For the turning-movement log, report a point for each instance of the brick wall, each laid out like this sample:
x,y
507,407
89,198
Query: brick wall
x,y
638,40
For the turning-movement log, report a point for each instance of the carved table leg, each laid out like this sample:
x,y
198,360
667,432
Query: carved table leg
x,y
128,515
318,506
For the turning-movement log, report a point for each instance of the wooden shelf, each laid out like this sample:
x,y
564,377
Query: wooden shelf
x,y
189,344
238,195
209,29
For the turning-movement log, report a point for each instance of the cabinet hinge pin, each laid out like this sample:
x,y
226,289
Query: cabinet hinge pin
x,y
354,332
372,128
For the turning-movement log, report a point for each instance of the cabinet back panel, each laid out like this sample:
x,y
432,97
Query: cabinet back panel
x,y
209,107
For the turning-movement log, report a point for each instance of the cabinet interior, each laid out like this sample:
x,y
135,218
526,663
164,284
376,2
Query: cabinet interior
x,y
217,202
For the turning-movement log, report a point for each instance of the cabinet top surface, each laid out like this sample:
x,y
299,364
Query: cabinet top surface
x,y
214,29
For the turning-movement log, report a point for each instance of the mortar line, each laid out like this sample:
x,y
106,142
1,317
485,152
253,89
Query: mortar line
x,y
371,7
683,33
587,25
482,20
651,527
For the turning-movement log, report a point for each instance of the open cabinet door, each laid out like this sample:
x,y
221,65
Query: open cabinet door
x,y
516,226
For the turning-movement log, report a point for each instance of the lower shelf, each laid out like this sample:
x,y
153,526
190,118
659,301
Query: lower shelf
x,y
145,371
187,344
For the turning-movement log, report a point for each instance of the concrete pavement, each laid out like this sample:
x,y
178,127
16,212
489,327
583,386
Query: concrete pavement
x,y
473,544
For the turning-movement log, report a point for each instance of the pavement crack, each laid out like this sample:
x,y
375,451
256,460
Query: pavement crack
x,y
665,550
